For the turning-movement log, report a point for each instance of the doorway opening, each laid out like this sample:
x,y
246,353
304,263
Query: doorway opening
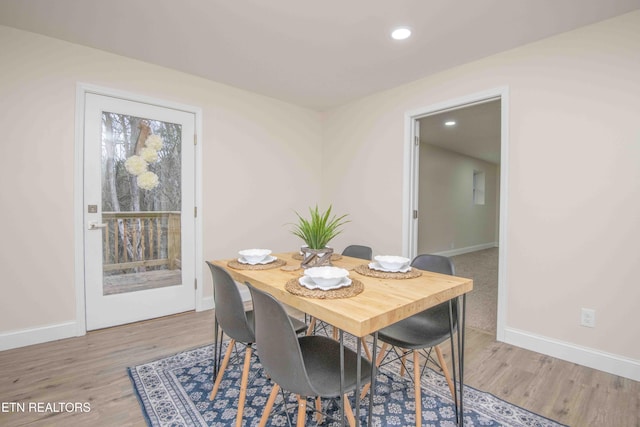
x,y
456,167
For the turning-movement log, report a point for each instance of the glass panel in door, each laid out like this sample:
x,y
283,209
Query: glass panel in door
x,y
141,203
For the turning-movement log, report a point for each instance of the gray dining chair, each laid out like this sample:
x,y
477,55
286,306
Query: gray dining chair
x,y
238,324
422,331
307,366
358,251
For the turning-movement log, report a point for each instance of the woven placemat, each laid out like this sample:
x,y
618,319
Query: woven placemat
x,y
294,287
298,256
366,271
240,266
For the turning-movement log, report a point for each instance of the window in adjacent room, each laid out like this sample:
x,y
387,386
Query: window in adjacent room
x,y
478,187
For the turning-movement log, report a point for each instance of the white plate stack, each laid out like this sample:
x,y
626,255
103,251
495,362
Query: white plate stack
x,y
325,278
390,264
255,256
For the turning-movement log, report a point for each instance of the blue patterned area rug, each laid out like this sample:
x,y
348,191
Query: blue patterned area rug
x,y
174,391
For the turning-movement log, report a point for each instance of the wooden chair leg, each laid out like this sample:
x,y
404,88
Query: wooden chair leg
x,y
367,386
366,348
312,325
403,363
365,389
319,410
302,411
225,362
243,385
417,388
445,370
269,407
348,412
381,354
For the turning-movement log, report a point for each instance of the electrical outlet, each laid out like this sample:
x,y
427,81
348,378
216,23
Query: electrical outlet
x,y
588,317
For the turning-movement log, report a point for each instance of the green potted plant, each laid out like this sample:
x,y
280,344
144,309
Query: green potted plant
x,y
316,232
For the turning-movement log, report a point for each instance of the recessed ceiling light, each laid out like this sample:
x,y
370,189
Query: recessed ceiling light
x,y
401,33
450,123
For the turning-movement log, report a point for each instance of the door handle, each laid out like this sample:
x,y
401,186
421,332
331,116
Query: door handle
x,y
94,225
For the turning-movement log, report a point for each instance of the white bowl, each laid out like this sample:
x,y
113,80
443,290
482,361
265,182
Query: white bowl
x,y
254,256
391,262
326,276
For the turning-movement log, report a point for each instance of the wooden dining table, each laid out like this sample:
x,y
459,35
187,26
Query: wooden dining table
x,y
383,302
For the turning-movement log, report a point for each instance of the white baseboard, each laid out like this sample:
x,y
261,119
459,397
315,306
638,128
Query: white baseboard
x,y
205,304
460,251
596,359
25,337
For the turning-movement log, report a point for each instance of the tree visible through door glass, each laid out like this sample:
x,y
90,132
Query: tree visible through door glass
x,y
141,203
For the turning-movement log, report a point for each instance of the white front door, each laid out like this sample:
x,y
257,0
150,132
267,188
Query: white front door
x,y
139,198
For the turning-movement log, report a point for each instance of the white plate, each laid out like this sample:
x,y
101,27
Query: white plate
x,y
308,283
269,259
254,256
326,276
377,266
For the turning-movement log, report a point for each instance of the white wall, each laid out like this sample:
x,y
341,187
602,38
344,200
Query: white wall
x,y
448,218
259,164
574,182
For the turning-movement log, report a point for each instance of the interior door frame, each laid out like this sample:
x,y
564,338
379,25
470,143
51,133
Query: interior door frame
x,y
411,180
79,226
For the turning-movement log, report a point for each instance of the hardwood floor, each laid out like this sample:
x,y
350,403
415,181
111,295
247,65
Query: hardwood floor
x,y
93,369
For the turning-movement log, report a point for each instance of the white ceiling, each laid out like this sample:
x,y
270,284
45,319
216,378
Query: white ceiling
x,y
316,54
475,134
